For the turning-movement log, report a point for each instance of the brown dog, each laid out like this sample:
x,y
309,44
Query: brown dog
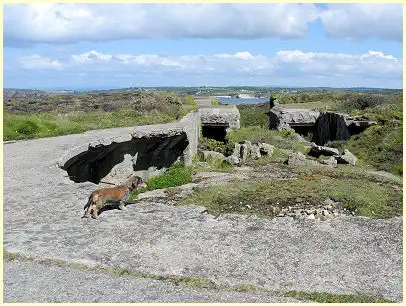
x,y
118,194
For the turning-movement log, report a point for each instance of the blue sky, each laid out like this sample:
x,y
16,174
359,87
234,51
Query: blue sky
x,y
119,45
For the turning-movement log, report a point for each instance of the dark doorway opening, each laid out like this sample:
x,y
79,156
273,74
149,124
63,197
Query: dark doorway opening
x,y
218,133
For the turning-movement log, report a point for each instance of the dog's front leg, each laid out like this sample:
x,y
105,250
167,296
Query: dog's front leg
x,y
122,205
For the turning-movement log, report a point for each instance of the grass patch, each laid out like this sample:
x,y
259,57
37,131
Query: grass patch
x,y
214,165
377,200
324,297
176,175
379,147
254,115
48,124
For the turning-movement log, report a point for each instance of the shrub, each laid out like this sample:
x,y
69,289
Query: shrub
x,y
27,127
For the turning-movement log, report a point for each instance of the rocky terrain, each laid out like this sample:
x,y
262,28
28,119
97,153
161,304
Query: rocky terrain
x,y
173,252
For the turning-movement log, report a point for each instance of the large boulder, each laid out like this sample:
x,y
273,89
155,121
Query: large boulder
x,y
266,149
297,158
255,151
316,151
232,160
346,158
208,155
329,162
243,152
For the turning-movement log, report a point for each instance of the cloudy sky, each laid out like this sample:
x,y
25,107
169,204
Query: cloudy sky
x,y
120,45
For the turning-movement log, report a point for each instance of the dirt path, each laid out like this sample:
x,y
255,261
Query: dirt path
x,y
42,211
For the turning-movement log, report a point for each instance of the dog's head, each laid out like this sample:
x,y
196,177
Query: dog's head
x,y
136,182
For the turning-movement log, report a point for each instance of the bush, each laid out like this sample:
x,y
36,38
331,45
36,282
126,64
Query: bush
x,y
215,102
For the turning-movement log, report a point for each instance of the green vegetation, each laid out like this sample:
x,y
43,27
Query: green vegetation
x,y
208,144
379,147
176,175
48,125
254,115
214,165
215,102
54,115
324,297
366,198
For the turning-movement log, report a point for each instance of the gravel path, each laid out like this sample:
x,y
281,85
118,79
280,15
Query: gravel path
x,y
42,211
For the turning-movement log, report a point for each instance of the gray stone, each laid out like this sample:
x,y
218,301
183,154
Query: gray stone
x,y
232,160
255,151
208,155
346,158
330,161
202,164
311,216
316,150
266,149
236,151
296,159
243,152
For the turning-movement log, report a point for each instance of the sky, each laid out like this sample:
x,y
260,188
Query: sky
x,y
99,46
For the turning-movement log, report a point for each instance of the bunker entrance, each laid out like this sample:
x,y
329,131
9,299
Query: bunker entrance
x,y
115,162
304,129
218,132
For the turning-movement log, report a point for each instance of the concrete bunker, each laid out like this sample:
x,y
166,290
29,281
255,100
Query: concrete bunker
x,y
218,132
321,127
114,162
216,121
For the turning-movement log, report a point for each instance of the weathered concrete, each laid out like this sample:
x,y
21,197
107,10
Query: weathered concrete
x,y
32,282
284,118
323,126
143,150
42,210
228,117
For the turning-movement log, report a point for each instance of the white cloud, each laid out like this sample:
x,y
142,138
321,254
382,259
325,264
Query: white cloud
x,y
360,21
26,24
38,62
69,23
372,64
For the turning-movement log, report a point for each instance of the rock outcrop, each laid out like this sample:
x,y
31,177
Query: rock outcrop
x,y
316,151
209,155
346,158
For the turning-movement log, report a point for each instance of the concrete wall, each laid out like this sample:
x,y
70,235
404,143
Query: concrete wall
x,y
144,150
